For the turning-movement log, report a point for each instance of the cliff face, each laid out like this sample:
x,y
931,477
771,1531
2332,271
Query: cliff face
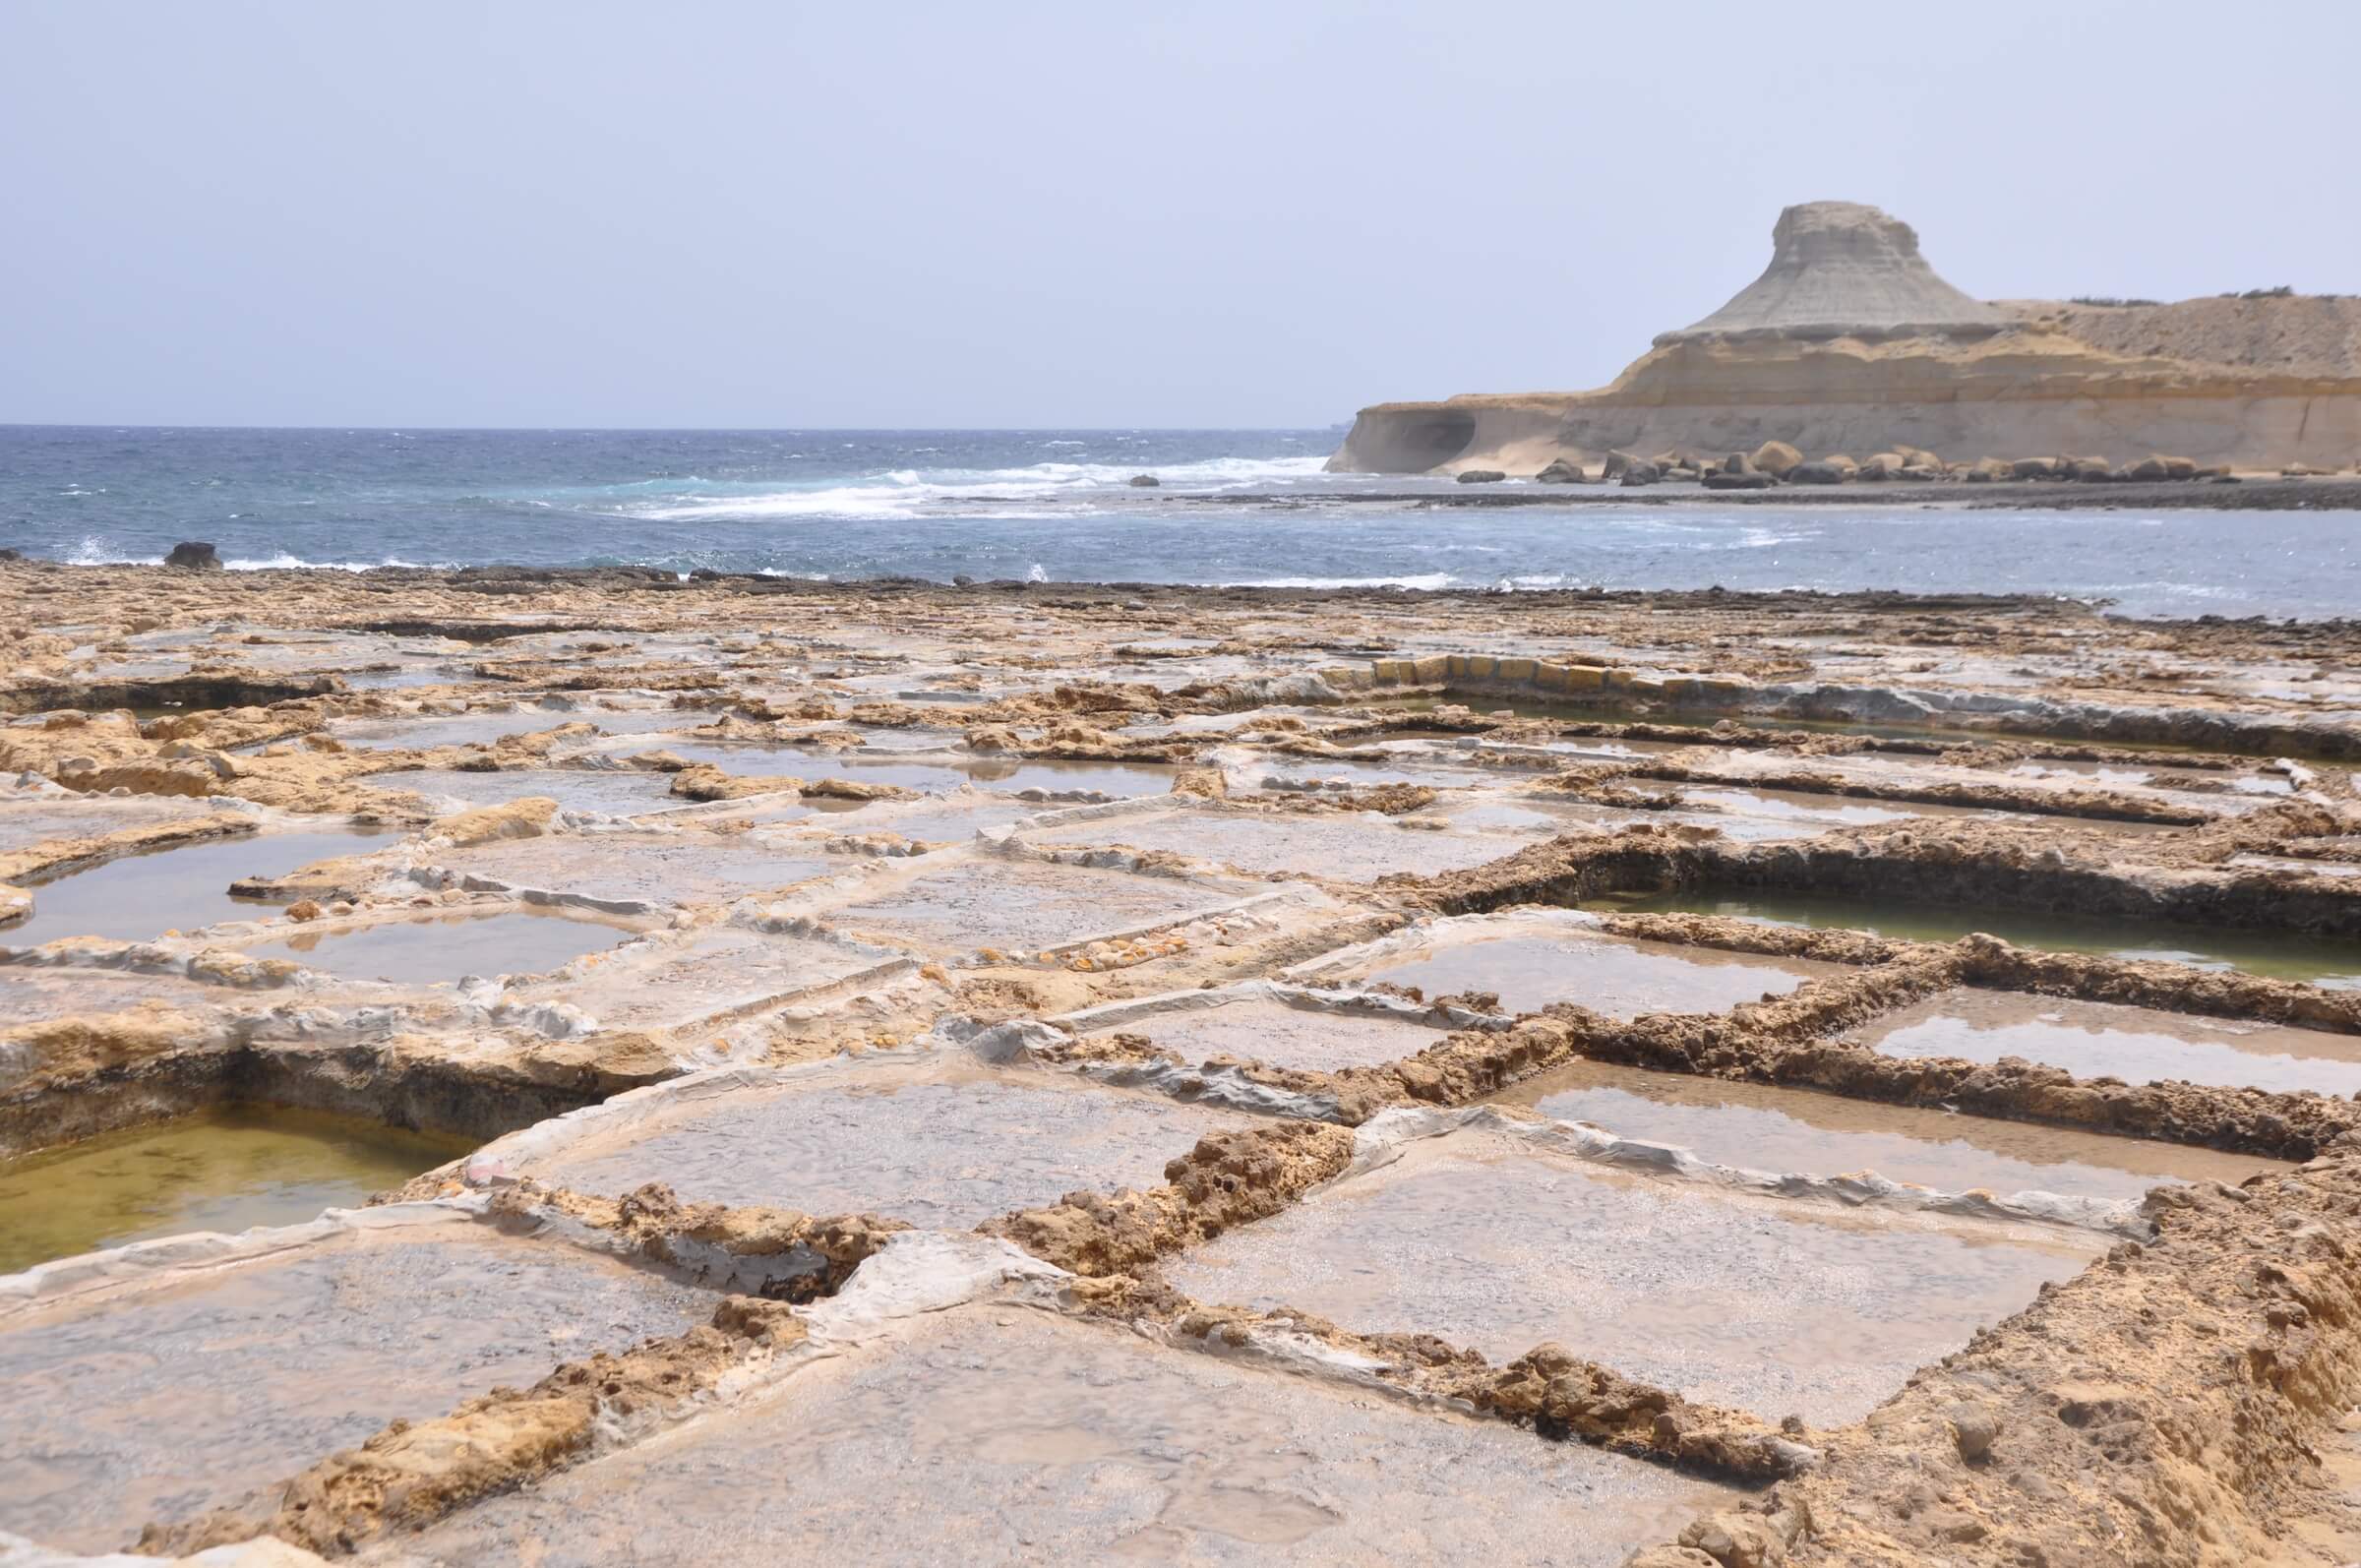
x,y
1849,342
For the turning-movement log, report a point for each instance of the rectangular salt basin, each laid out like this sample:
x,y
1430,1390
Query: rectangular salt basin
x,y
1001,1435
157,1404
718,973
2139,1044
1763,816
756,760
426,948
1760,1127
1025,906
651,869
1775,1306
1283,1035
613,792
225,1170
1357,846
1056,776
1531,966
944,1144
2327,961
184,887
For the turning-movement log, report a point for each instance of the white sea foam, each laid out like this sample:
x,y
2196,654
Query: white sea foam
x,y
925,492
1423,580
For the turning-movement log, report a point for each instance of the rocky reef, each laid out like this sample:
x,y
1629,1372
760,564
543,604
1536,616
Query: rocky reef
x,y
1850,346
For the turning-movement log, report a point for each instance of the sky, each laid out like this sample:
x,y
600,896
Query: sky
x,y
568,213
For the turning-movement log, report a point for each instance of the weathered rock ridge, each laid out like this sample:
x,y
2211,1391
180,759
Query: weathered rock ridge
x,y
1849,342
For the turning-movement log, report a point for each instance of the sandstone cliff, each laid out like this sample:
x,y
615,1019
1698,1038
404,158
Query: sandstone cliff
x,y
1849,342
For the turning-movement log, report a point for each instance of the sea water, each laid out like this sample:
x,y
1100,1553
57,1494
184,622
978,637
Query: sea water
x,y
1231,506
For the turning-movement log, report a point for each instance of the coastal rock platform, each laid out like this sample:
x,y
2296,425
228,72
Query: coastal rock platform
x,y
1207,1076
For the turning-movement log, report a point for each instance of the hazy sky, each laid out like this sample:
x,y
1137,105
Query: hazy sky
x,y
1267,212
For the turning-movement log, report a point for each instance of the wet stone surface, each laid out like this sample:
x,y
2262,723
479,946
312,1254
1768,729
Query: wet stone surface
x,y
2138,1044
1531,966
999,1435
1349,847
1760,1127
613,792
1282,1035
140,897
1767,1306
163,1403
2315,960
947,1145
1024,906
686,868
715,973
424,950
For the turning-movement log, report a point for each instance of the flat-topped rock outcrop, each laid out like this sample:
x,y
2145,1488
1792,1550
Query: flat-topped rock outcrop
x,y
1843,269
1849,343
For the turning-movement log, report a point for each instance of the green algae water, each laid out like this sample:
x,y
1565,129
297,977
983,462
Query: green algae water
x,y
224,1169
2328,961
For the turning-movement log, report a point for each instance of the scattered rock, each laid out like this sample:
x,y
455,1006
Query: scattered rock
x,y
1562,472
1617,464
2090,472
1481,476
1777,458
304,909
2035,469
194,555
1640,471
1823,473
1974,1429
1143,482
1736,473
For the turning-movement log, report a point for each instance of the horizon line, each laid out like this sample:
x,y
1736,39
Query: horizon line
x,y
637,430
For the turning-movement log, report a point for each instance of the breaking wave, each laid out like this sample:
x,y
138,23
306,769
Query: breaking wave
x,y
918,492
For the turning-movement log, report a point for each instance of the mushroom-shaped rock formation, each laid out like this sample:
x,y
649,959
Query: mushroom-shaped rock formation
x,y
1843,269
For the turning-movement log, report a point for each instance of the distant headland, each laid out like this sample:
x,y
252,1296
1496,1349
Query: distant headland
x,y
1850,359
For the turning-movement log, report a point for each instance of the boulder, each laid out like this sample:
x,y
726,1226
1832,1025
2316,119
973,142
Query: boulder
x,y
1918,472
194,555
1986,470
1562,472
2090,472
2035,468
1837,461
1616,462
1777,458
1481,476
1752,480
2149,470
1882,466
1738,463
1823,473
2177,467
1919,458
1143,482
1640,471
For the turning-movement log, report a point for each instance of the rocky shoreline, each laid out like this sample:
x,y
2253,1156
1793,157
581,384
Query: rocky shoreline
x,y
1026,962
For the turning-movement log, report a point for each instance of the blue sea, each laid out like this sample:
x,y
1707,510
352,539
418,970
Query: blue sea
x,y
1233,506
